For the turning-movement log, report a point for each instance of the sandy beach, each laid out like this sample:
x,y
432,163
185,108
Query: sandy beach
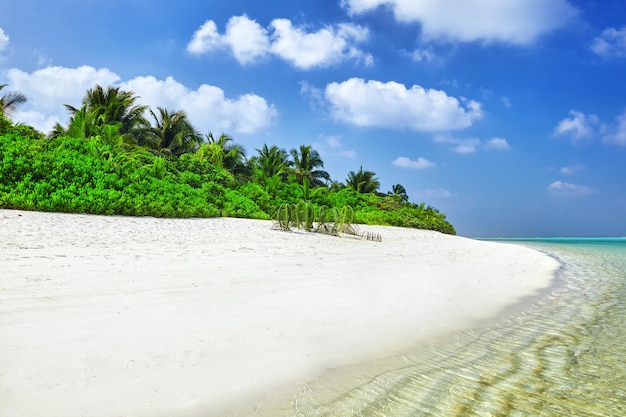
x,y
118,316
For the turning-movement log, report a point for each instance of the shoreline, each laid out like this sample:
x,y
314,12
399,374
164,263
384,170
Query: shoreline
x,y
144,316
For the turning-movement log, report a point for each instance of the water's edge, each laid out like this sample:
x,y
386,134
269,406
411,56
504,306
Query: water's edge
x,y
556,353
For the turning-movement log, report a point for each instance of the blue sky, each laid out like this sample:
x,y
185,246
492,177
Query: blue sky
x,y
508,116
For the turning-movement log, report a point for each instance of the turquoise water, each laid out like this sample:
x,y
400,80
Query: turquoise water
x,y
565,355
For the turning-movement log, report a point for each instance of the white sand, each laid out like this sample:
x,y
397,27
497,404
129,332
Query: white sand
x,y
115,316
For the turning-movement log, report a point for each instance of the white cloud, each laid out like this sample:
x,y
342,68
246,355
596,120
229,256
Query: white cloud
x,y
471,145
392,105
506,102
48,89
497,144
571,169
518,22
467,146
325,47
205,39
578,128
4,40
566,188
248,42
208,108
617,134
245,38
419,163
612,42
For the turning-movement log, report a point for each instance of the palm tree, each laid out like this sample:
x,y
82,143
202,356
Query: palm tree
x,y
172,133
10,101
305,162
222,153
113,106
399,192
270,167
271,161
81,125
106,107
57,131
363,181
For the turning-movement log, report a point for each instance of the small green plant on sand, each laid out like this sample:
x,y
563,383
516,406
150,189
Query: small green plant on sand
x,y
332,221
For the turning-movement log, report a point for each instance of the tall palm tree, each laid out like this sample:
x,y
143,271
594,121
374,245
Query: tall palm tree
x,y
363,181
222,152
10,101
270,167
271,161
81,125
113,105
399,191
172,133
305,162
106,107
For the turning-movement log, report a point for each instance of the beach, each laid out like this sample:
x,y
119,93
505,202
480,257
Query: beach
x,y
119,316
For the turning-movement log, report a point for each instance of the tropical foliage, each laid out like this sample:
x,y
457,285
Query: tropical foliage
x,y
399,192
110,159
305,164
10,101
363,181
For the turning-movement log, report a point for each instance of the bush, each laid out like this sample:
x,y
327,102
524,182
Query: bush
x,y
88,176
238,205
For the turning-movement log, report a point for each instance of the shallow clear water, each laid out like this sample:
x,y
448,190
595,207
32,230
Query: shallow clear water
x,y
564,356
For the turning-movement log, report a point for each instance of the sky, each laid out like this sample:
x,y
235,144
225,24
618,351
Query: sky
x,y
509,116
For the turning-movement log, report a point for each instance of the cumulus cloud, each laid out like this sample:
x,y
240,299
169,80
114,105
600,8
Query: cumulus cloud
x,y
48,89
517,22
208,108
611,42
325,47
249,41
566,188
579,127
245,38
419,163
205,39
4,40
392,105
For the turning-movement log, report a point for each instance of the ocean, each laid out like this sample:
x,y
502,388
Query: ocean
x,y
564,354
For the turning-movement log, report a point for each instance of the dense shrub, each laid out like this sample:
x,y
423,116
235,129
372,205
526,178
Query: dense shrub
x,y
103,175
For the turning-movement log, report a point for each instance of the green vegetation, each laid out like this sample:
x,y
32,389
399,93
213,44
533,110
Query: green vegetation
x,y
332,221
111,160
